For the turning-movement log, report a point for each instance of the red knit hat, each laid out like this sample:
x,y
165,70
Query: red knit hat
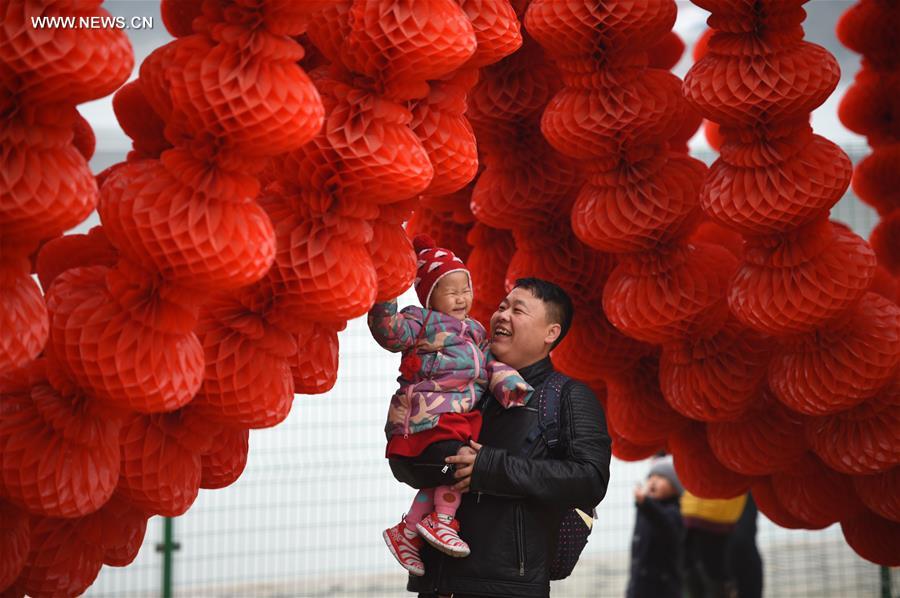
x,y
433,264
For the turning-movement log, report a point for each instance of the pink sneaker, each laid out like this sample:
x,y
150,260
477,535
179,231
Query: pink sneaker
x,y
404,549
443,536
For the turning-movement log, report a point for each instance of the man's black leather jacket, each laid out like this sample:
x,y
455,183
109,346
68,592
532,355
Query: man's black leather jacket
x,y
511,514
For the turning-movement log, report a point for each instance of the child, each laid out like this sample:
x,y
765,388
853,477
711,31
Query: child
x,y
658,535
443,373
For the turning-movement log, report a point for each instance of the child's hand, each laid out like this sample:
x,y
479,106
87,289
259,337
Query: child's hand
x,y
640,493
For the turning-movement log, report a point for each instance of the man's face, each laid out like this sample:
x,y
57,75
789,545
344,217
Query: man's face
x,y
520,331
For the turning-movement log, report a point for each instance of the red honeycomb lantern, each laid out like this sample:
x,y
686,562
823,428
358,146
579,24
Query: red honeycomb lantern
x,y
832,370
714,378
15,542
880,493
801,488
636,407
59,453
874,538
861,440
226,460
766,439
699,470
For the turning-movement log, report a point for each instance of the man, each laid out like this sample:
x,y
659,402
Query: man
x,y
513,503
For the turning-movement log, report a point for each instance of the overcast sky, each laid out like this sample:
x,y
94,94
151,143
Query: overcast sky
x,y
820,25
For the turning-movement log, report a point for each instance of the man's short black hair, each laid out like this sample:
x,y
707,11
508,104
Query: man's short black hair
x,y
557,301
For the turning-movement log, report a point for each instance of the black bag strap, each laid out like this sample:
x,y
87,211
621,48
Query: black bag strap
x,y
549,398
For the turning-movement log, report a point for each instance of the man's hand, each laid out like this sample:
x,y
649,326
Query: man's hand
x,y
464,460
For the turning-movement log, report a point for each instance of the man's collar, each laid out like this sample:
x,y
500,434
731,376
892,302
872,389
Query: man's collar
x,y
538,371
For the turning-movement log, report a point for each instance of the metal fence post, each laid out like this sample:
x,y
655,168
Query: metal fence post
x,y
167,547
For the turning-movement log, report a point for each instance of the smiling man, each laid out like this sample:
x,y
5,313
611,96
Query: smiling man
x,y
516,490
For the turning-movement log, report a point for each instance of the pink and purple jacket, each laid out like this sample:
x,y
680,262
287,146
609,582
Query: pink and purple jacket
x,y
456,366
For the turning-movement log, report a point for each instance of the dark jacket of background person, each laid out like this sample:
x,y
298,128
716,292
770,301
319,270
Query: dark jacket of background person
x,y
656,550
510,517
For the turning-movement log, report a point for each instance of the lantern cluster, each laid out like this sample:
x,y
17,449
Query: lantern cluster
x,y
833,358
284,151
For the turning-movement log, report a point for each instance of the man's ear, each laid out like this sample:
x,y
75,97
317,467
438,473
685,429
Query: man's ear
x,y
553,332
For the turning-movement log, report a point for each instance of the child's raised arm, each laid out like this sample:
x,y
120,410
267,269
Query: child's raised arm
x,y
505,383
394,331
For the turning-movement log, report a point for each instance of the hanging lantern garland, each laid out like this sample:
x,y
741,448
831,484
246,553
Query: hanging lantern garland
x,y
870,108
802,279
630,123
248,226
46,183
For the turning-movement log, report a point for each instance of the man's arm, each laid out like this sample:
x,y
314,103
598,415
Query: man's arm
x,y
578,480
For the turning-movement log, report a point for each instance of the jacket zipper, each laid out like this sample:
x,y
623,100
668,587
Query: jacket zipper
x,y
408,411
520,540
477,370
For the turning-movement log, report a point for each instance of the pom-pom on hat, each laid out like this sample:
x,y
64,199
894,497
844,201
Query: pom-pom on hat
x,y
433,263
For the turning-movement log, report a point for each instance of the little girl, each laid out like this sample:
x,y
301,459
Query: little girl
x,y
443,373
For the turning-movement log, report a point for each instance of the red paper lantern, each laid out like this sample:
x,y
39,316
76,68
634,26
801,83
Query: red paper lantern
x,y
423,43
248,382
72,251
593,347
444,228
765,498
831,370
861,440
315,368
138,120
874,538
393,258
553,253
869,28
881,493
527,184
15,542
62,561
161,463
119,527
699,470
125,338
59,453
651,203
789,81
778,195
669,293
158,215
496,30
877,179
636,408
797,282
446,134
23,315
232,99
766,439
802,487
714,378
71,66
225,462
